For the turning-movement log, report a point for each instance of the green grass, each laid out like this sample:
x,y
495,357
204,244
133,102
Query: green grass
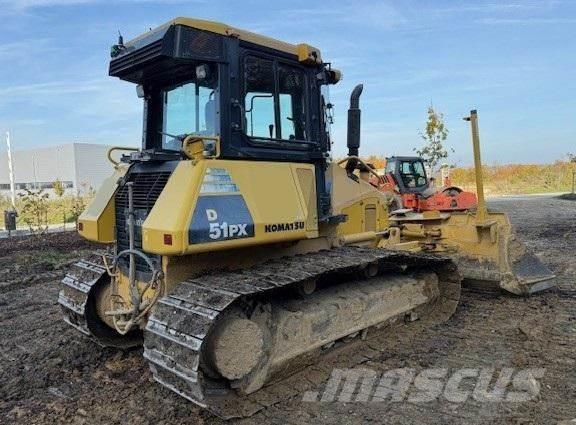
x,y
54,258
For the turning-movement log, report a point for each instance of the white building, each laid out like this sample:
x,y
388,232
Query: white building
x,y
79,166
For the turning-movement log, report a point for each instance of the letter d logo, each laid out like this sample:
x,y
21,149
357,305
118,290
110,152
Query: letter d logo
x,y
211,214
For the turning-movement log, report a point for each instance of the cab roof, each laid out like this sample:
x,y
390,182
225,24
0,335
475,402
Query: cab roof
x,y
303,51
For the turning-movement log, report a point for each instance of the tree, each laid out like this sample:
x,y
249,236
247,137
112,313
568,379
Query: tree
x,y
34,211
572,159
58,188
78,206
434,137
379,162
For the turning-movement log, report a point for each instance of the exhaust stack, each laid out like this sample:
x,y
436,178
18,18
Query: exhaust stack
x,y
353,140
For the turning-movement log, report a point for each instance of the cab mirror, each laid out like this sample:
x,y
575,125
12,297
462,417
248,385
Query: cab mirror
x,y
140,91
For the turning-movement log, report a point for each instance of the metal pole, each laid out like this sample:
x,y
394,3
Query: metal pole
x,y
34,168
132,269
134,293
481,211
573,180
11,172
58,162
197,105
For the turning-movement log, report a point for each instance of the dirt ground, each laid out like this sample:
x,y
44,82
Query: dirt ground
x,y
49,374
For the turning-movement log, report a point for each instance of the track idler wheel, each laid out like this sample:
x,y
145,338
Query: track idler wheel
x,y
101,327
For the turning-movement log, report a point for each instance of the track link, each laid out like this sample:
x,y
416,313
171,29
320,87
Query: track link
x,y
176,333
77,299
75,288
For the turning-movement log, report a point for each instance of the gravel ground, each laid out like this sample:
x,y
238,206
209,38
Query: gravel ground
x,y
48,374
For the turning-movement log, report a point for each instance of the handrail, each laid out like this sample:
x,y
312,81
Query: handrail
x,y
370,169
119,148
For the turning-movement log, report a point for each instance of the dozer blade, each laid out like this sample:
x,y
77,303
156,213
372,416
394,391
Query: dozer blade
x,y
529,275
510,265
225,341
496,251
488,253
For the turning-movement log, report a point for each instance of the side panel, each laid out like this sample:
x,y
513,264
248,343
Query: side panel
x,y
97,221
363,204
220,204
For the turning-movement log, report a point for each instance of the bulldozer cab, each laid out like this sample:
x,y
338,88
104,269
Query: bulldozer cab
x,y
409,173
253,97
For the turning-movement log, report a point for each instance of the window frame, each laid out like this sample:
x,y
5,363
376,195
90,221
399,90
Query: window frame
x,y
163,94
276,142
153,105
413,172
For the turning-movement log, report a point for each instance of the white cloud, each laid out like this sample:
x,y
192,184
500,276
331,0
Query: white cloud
x,y
103,100
504,6
25,4
381,14
27,122
495,7
51,89
28,50
526,21
95,110
29,4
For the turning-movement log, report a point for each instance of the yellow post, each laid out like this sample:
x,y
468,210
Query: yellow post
x,y
481,212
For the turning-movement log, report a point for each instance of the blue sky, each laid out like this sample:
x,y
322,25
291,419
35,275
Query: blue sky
x,y
515,61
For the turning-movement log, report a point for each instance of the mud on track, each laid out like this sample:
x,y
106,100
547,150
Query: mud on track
x,y
49,374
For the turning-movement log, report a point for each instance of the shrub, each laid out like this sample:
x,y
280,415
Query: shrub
x,y
34,211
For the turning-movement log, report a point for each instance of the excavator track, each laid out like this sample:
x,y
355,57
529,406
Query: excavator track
x,y
179,336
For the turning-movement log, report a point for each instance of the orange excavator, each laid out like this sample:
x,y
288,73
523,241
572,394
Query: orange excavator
x,y
405,178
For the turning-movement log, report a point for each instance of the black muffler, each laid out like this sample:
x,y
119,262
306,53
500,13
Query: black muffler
x,y
353,140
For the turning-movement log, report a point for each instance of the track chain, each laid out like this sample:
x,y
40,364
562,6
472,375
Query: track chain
x,y
76,286
178,327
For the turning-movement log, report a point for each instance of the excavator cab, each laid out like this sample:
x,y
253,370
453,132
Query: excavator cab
x,y
409,173
406,180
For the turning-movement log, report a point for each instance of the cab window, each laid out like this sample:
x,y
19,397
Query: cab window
x,y
188,109
291,99
274,100
259,99
413,174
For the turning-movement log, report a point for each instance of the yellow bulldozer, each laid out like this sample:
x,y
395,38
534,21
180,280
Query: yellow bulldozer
x,y
234,249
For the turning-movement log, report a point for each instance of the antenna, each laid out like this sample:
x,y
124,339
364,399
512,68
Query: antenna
x,y
116,49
